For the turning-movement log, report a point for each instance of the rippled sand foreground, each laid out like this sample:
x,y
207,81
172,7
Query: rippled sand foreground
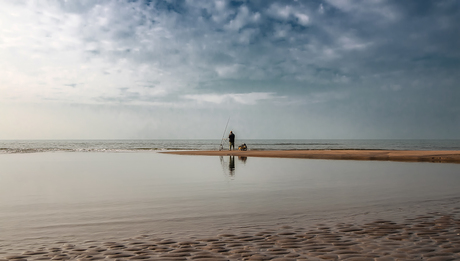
x,y
431,237
388,155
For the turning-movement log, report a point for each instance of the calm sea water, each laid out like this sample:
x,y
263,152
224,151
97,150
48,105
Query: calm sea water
x,y
59,194
29,146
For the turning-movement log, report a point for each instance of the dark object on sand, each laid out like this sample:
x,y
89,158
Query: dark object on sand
x,y
243,147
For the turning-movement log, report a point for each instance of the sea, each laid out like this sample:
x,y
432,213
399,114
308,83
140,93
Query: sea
x,y
73,191
31,146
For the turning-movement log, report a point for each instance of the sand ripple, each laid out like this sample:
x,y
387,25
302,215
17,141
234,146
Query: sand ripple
x,y
431,237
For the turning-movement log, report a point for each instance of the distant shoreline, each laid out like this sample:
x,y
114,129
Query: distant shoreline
x,y
437,156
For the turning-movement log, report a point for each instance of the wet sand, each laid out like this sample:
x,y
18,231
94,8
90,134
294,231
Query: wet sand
x,y
382,155
434,236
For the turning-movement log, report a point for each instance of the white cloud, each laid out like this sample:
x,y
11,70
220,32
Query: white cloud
x,y
220,5
241,19
103,49
220,12
242,98
251,98
282,30
228,71
280,11
374,8
246,36
303,18
352,43
287,12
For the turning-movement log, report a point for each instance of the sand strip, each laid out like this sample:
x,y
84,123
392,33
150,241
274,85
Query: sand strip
x,y
386,155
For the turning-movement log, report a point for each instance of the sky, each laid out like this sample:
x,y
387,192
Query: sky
x,y
306,69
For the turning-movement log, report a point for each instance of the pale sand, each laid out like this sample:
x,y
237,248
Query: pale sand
x,y
386,155
433,237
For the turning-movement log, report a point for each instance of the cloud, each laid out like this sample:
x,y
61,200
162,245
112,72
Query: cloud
x,y
241,98
113,45
174,54
242,19
376,8
288,13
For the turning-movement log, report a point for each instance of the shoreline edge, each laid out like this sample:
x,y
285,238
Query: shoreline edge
x,y
435,156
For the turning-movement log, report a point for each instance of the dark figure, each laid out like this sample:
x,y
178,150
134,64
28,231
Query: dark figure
x,y
231,165
231,139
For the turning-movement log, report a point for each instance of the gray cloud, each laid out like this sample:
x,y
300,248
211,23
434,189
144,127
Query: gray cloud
x,y
372,62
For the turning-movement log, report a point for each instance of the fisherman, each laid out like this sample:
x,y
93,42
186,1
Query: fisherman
x,y
231,139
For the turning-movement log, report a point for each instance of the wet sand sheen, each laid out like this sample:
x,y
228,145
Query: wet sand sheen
x,y
434,236
382,155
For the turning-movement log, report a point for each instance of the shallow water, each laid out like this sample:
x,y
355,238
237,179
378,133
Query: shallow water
x,y
48,197
37,146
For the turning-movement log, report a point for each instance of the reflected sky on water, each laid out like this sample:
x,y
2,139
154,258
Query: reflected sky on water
x,y
93,194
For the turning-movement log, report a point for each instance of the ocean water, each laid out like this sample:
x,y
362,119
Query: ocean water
x,y
74,191
30,146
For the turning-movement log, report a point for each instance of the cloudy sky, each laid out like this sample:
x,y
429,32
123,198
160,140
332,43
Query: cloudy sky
x,y
311,69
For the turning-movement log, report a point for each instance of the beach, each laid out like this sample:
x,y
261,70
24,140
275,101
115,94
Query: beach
x,y
156,206
430,237
445,156
229,130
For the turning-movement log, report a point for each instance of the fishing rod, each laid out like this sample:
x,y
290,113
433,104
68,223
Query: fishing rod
x,y
223,135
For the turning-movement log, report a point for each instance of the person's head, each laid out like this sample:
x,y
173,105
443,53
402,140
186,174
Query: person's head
x,y
231,131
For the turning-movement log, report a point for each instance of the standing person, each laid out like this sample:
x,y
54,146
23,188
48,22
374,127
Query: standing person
x,y
231,139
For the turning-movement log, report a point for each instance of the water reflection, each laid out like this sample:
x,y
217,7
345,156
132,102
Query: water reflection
x,y
228,164
231,165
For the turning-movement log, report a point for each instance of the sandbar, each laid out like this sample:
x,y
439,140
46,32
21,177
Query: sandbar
x,y
439,156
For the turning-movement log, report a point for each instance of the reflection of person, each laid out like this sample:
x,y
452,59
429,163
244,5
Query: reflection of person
x,y
231,139
231,165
